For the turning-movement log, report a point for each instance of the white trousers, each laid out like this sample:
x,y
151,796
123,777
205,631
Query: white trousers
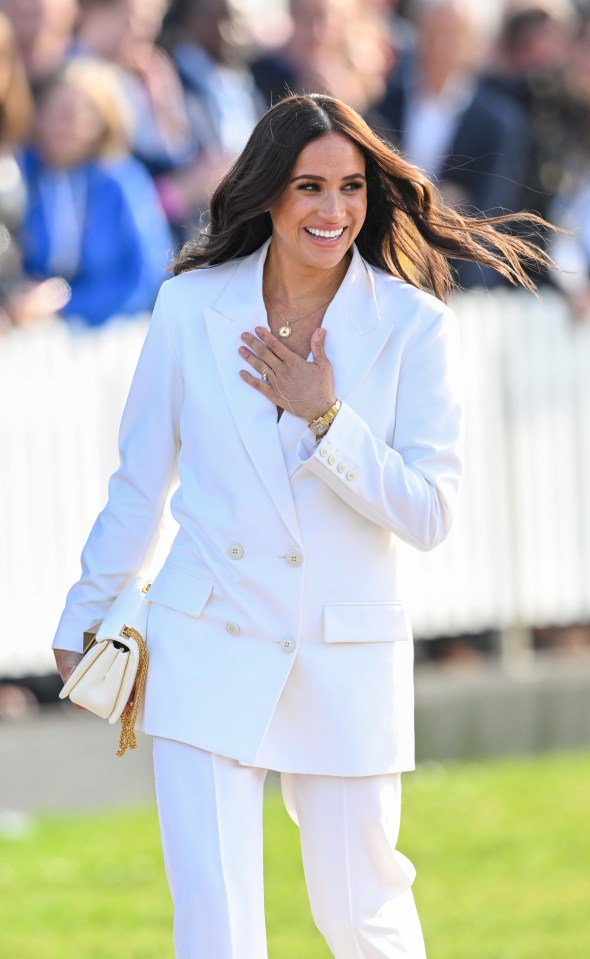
x,y
210,810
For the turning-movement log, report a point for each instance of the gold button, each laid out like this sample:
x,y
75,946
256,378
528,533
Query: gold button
x,y
324,451
350,475
331,460
294,558
233,629
235,551
341,467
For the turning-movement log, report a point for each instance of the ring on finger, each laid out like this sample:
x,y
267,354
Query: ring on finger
x,y
264,374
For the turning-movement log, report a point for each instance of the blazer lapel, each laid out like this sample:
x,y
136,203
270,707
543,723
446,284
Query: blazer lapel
x,y
241,307
356,335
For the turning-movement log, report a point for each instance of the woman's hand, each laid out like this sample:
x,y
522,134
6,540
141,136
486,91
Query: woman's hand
x,y
305,389
66,661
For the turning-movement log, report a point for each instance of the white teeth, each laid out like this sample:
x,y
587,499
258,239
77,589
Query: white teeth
x,y
327,234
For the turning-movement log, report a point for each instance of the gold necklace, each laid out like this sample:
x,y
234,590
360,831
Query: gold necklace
x,y
285,330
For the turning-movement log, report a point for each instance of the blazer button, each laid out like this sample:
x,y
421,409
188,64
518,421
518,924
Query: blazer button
x,y
350,475
294,558
331,460
235,551
233,629
324,451
287,645
341,467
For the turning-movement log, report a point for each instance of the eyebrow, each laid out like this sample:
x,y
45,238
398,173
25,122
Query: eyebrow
x,y
312,176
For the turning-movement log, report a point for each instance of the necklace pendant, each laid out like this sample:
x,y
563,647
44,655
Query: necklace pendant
x,y
285,331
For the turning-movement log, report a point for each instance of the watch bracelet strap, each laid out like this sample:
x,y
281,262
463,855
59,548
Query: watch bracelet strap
x,y
327,418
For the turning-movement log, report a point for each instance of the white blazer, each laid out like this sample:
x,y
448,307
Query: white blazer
x,y
277,633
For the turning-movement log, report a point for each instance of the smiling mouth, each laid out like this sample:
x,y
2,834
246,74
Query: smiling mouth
x,y
325,234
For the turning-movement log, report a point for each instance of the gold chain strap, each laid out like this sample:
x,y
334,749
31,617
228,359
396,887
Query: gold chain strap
x,y
127,738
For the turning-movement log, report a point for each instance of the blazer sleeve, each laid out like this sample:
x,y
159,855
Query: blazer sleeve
x,y
410,487
125,530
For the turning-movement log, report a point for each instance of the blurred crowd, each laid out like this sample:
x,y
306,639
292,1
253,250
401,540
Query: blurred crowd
x,y
117,118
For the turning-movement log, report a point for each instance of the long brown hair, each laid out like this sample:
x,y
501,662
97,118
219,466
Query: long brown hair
x,y
408,231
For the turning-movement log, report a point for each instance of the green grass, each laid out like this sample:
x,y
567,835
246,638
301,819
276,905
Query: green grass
x,y
502,851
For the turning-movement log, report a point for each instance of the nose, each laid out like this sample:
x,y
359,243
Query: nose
x,y
333,205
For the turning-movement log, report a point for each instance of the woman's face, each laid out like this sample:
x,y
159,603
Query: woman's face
x,y
69,127
320,212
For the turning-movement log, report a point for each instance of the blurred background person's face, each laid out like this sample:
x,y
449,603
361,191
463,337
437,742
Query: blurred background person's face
x,y
577,71
6,60
447,41
321,24
114,30
536,40
43,30
69,129
220,28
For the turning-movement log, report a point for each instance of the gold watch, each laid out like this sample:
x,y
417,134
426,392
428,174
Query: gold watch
x,y
321,424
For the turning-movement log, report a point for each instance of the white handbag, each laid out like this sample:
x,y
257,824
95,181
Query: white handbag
x,y
115,659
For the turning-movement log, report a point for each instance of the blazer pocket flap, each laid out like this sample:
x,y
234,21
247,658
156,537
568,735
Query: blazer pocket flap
x,y
180,590
366,623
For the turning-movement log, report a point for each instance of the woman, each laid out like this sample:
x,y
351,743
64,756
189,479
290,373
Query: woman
x,y
278,637
93,217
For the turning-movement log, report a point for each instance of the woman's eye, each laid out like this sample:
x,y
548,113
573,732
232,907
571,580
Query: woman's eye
x,y
353,187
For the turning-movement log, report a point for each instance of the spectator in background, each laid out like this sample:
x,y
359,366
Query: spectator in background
x,y
343,48
93,215
470,139
21,302
123,32
529,67
208,41
43,31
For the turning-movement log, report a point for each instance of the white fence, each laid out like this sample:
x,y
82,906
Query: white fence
x,y
518,554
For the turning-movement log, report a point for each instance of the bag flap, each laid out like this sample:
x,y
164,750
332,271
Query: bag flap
x,y
366,623
105,688
84,664
103,680
180,590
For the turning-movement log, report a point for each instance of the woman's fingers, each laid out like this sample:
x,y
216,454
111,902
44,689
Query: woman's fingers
x,y
260,365
260,385
276,347
261,350
318,346
291,381
66,661
130,701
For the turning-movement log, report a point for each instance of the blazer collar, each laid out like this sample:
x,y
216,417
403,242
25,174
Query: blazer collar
x,y
241,300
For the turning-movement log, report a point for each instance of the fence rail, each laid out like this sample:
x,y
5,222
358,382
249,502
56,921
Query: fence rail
x,y
518,554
